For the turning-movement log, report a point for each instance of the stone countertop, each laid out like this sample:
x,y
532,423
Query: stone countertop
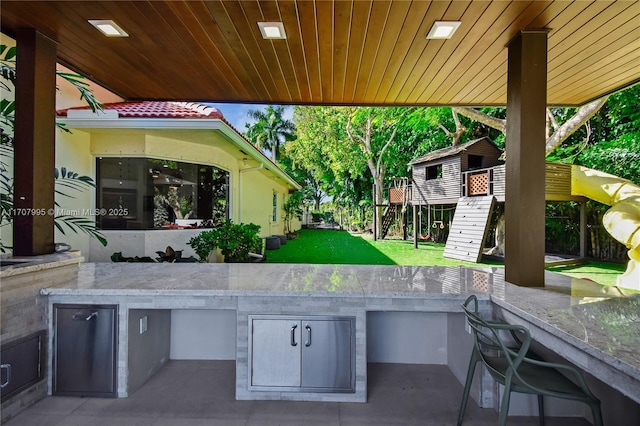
x,y
601,321
250,279
17,265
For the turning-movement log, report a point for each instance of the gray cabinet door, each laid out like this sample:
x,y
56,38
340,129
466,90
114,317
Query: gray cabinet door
x,y
275,353
327,354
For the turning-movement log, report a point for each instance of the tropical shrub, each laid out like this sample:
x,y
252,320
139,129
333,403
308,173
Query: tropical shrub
x,y
235,241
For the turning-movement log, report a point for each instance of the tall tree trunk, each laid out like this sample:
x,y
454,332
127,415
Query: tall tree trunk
x,y
498,248
375,167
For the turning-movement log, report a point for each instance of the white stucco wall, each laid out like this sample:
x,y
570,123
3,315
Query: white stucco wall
x,y
142,243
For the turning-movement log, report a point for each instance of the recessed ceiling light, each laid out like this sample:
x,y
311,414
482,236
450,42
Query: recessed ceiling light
x,y
443,29
272,30
108,28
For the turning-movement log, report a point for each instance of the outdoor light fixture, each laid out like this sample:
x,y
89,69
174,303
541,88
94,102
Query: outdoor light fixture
x,y
272,30
443,29
108,28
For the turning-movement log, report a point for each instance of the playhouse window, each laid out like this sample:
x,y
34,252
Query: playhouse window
x,y
433,172
474,162
145,193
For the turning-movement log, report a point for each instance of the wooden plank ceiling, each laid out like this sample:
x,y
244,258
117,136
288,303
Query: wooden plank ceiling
x,y
336,52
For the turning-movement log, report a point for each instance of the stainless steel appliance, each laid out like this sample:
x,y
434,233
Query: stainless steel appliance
x,y
84,350
21,364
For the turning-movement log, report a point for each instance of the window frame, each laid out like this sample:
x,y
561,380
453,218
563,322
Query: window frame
x,y
145,191
433,172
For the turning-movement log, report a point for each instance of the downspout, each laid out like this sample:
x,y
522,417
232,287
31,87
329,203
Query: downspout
x,y
241,184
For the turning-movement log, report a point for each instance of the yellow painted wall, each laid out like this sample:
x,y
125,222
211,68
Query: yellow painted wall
x,y
251,203
256,204
72,152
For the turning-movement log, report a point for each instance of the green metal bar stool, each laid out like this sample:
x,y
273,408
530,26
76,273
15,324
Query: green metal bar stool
x,y
517,369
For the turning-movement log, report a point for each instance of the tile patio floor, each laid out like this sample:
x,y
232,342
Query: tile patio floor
x,y
198,393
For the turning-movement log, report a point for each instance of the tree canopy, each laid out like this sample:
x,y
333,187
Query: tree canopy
x,y
338,153
270,130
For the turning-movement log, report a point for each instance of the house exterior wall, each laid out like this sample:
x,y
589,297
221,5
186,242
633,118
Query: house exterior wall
x,y
256,205
251,191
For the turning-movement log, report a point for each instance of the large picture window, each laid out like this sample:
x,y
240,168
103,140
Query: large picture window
x,y
144,193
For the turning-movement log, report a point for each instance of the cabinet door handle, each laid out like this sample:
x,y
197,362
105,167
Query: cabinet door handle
x,y
293,335
8,367
93,314
308,335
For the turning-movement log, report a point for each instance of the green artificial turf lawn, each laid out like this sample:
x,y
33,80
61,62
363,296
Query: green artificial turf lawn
x,y
324,246
601,272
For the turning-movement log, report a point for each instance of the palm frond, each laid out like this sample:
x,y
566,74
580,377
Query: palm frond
x,y
4,248
8,73
6,207
8,68
83,87
72,180
79,224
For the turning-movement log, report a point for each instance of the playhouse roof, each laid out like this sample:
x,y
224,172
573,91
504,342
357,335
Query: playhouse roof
x,y
451,151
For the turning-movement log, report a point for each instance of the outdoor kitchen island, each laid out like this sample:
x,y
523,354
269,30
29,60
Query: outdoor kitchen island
x,y
559,316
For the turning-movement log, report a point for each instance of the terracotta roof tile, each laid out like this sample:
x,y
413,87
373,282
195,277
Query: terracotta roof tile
x,y
157,109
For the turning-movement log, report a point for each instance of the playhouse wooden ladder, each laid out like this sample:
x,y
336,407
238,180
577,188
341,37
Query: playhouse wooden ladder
x,y
387,218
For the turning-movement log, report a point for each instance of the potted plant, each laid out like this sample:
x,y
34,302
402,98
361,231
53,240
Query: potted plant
x,y
234,241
